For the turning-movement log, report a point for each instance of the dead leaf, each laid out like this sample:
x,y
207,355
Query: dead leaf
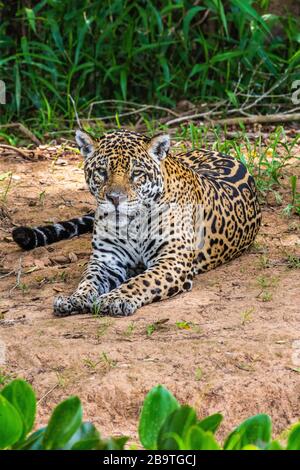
x,y
57,289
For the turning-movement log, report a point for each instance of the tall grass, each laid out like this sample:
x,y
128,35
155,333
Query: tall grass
x,y
155,52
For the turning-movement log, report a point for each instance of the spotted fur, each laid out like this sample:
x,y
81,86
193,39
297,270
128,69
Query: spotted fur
x,y
176,216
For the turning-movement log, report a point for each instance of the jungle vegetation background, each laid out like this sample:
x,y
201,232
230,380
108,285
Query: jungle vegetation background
x,y
217,57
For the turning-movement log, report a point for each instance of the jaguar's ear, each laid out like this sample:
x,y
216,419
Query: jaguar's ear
x,y
159,146
85,143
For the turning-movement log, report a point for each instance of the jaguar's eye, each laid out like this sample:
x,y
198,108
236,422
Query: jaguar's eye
x,y
137,174
100,174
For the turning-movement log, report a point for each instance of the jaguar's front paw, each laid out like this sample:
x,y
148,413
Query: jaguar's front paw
x,y
116,306
64,306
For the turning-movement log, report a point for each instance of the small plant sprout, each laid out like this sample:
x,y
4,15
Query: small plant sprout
x,y
42,197
108,361
267,282
7,179
263,262
294,205
130,329
90,364
198,374
293,261
266,296
183,325
246,316
150,329
24,288
96,310
158,325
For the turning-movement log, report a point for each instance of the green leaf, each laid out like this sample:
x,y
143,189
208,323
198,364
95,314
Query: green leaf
x,y
211,423
176,424
226,56
158,404
114,443
64,422
255,430
56,34
31,18
17,87
123,83
223,16
294,438
197,439
274,445
87,437
245,7
188,18
197,68
232,97
3,176
33,442
82,32
11,426
21,395
294,58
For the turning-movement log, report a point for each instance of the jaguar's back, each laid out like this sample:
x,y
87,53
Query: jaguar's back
x,y
231,210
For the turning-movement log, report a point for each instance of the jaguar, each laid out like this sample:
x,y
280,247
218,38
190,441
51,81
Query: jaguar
x,y
161,218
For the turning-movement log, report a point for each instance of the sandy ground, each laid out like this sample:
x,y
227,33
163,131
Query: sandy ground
x,y
230,345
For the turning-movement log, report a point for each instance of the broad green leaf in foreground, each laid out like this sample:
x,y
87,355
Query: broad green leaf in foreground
x,y
211,423
197,439
11,426
85,438
255,430
158,404
294,438
33,442
20,394
176,426
64,422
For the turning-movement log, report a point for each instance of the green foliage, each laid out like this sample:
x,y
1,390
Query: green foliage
x,y
294,205
158,405
11,426
20,394
64,422
144,51
164,425
254,431
65,429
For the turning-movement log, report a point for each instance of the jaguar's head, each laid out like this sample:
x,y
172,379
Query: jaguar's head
x,y
123,168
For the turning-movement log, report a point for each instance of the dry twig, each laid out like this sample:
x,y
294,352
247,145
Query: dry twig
x,y
24,131
258,119
24,153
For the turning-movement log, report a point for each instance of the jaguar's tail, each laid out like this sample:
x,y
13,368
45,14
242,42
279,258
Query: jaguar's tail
x,y
29,238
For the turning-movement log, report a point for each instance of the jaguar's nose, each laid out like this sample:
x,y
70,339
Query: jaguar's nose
x,y
115,197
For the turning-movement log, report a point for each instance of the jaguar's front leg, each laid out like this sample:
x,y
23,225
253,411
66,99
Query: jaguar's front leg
x,y
102,275
165,278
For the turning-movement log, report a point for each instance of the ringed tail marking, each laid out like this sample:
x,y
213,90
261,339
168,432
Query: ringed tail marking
x,y
29,238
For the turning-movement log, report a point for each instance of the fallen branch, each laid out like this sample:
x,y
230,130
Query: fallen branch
x,y
192,117
129,113
131,103
15,149
24,131
48,393
259,119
